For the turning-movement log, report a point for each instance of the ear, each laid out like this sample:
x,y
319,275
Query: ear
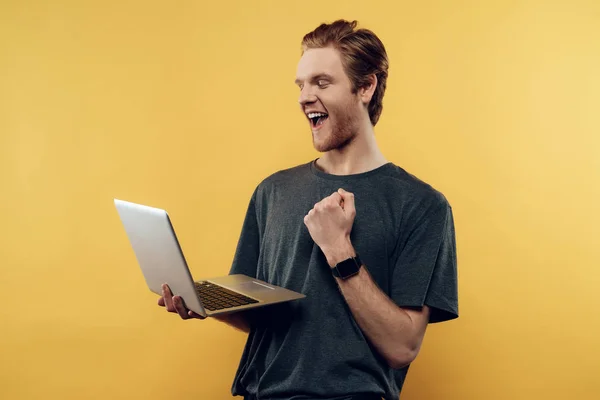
x,y
367,91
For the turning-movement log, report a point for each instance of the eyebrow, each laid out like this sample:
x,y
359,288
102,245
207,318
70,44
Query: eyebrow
x,y
316,78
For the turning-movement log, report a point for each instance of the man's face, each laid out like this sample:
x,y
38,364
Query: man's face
x,y
326,99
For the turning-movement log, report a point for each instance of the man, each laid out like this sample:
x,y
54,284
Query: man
x,y
390,235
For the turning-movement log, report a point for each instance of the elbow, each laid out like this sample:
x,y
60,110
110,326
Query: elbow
x,y
402,358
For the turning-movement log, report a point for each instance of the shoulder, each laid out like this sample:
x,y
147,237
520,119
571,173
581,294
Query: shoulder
x,y
287,175
287,180
412,189
284,177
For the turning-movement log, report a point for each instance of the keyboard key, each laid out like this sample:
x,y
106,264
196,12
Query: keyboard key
x,y
215,297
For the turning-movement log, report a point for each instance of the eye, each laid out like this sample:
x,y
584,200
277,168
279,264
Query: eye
x,y
322,83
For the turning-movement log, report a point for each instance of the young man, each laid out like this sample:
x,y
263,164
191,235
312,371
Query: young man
x,y
390,235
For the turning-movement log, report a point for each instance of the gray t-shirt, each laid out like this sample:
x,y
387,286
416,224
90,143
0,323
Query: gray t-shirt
x,y
313,348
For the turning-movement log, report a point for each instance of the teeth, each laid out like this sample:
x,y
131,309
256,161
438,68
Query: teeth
x,y
315,115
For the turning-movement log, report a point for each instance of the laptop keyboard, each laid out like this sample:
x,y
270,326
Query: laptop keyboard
x,y
216,297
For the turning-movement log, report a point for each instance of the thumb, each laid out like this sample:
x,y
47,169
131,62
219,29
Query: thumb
x,y
348,200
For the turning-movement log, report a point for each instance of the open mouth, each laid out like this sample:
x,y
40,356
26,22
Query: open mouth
x,y
317,119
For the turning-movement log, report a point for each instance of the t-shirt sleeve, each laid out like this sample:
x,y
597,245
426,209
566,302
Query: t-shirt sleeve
x,y
245,260
425,271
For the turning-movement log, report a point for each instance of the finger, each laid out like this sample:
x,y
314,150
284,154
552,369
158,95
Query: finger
x,y
348,199
336,195
181,310
161,301
337,199
168,296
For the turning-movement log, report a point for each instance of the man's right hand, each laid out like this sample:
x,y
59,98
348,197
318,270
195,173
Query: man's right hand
x,y
174,304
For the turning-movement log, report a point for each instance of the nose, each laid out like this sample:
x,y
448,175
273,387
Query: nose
x,y
307,96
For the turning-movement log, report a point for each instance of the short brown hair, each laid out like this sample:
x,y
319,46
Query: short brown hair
x,y
362,54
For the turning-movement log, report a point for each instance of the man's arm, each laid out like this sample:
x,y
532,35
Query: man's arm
x,y
238,320
396,332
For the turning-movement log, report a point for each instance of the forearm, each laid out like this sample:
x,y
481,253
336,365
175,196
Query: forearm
x,y
387,326
238,320
390,329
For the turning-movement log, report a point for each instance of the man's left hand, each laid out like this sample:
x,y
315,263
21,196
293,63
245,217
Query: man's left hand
x,y
330,223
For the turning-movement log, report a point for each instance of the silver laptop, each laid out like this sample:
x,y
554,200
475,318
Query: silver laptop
x,y
161,259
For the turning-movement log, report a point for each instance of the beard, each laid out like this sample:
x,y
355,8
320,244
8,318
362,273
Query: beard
x,y
340,130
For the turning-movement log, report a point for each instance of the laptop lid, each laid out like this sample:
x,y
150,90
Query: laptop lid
x,y
158,252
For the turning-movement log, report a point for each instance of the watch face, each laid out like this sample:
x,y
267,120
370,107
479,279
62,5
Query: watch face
x,y
348,267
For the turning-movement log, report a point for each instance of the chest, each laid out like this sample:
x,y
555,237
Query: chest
x,y
288,251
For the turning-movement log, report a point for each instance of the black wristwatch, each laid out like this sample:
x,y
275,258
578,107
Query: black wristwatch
x,y
347,268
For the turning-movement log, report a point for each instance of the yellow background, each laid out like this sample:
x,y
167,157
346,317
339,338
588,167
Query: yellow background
x,y
188,105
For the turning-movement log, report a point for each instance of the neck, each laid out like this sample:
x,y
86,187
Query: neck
x,y
361,155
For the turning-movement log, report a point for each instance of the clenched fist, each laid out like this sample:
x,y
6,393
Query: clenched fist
x,y
330,223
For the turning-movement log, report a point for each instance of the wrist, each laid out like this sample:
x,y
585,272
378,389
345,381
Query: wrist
x,y
339,253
